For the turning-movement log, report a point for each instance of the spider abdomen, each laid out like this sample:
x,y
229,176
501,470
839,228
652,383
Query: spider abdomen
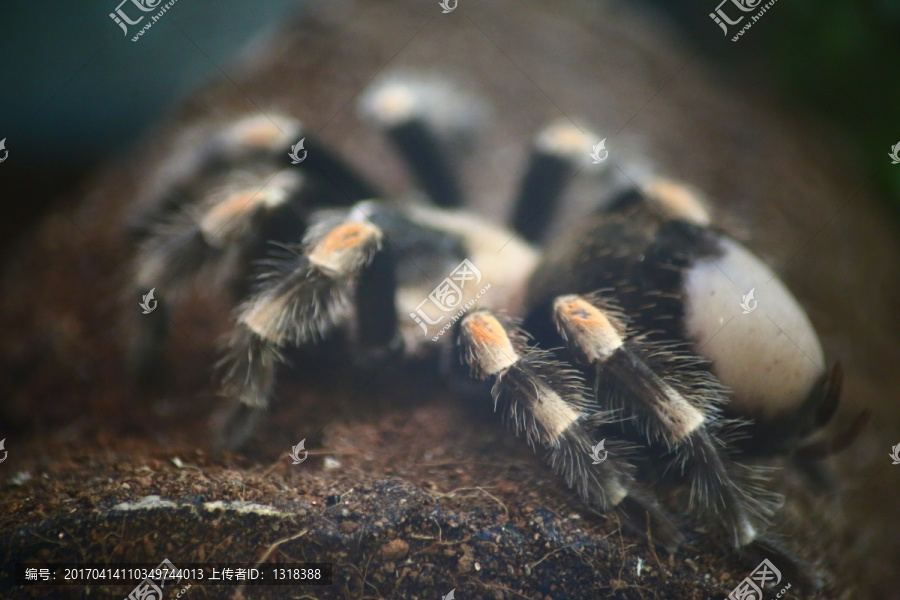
x,y
739,314
680,281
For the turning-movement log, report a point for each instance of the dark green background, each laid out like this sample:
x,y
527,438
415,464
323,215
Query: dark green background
x,y
837,58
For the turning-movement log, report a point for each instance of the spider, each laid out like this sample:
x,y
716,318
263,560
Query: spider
x,y
626,331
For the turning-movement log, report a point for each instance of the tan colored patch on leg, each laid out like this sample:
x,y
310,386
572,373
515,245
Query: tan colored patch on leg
x,y
680,417
553,413
225,220
342,236
393,104
564,139
265,316
259,133
587,327
490,343
343,246
678,201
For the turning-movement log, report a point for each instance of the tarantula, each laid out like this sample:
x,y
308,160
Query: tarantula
x,y
627,329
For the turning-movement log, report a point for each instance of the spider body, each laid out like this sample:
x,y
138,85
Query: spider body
x,y
600,336
679,279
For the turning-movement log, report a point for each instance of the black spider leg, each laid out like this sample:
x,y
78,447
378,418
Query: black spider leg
x,y
597,338
685,231
186,177
376,329
346,185
555,154
218,236
191,228
401,111
146,360
376,316
545,400
257,141
299,301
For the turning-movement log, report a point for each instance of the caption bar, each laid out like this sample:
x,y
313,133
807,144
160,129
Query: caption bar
x,y
194,573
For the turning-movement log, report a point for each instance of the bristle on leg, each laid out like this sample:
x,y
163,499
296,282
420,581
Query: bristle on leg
x,y
544,400
301,301
663,412
311,294
593,336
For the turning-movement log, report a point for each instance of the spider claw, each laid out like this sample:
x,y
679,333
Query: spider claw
x,y
840,441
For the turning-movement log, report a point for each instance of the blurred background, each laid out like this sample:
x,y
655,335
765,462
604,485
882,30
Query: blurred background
x,y
855,47
76,90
